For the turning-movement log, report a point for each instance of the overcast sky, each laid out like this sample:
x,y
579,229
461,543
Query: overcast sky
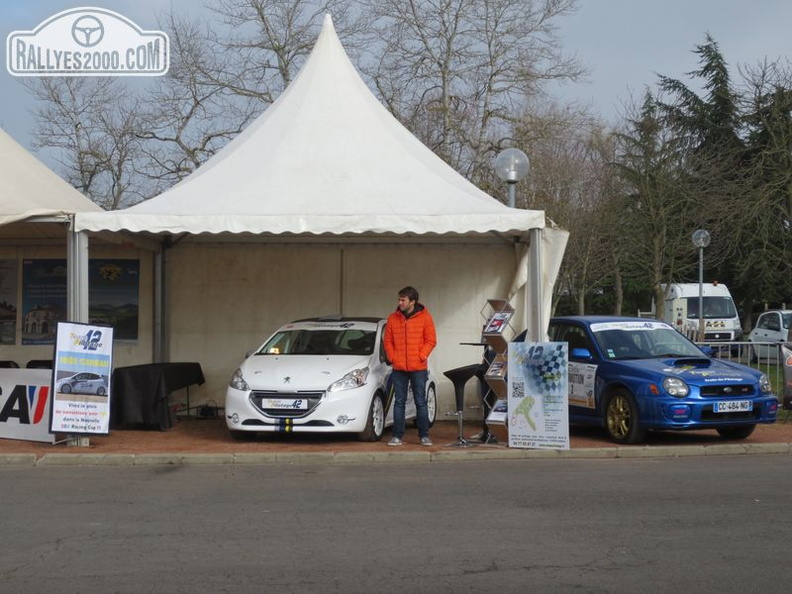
x,y
625,43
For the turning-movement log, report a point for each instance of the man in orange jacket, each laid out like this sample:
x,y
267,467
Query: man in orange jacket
x,y
409,339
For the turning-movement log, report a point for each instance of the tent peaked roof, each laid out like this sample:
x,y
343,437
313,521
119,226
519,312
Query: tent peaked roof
x,y
325,157
30,189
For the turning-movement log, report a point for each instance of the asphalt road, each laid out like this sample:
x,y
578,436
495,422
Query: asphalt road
x,y
699,524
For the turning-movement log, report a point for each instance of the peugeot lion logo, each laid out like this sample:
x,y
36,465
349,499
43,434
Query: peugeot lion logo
x,y
286,379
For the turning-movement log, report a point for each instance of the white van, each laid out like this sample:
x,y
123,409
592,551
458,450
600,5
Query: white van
x,y
681,309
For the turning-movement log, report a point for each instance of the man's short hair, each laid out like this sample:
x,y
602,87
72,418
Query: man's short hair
x,y
409,292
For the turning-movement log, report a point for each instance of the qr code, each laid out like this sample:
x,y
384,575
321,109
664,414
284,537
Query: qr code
x,y
518,389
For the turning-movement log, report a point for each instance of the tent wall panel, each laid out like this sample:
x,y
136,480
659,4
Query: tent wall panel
x,y
225,299
454,282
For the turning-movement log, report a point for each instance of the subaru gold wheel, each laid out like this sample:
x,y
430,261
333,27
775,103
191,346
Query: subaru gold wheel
x,y
621,418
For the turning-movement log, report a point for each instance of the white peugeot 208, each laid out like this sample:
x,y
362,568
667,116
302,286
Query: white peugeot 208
x,y
323,375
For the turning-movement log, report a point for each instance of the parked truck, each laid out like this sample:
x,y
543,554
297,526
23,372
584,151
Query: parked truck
x,y
721,321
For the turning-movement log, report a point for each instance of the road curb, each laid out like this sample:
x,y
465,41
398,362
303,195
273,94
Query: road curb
x,y
18,459
392,457
86,460
768,448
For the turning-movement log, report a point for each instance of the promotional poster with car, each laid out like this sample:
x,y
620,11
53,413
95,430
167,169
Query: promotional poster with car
x,y
81,379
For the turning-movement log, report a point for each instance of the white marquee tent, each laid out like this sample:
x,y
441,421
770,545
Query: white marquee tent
x,y
30,190
37,205
327,166
326,157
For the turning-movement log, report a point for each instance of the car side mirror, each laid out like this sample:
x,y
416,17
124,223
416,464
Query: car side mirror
x,y
579,353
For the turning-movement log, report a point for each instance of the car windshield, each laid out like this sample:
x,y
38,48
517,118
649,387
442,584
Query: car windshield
x,y
320,342
714,307
644,340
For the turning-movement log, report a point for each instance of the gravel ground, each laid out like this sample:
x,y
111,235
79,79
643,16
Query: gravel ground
x,y
192,435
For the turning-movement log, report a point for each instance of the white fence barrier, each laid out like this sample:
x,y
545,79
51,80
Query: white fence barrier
x,y
764,356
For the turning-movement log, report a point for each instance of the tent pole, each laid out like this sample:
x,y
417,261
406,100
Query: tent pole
x,y
533,291
341,287
77,274
159,306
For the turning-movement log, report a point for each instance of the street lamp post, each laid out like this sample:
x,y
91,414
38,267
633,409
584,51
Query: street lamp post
x,y
701,239
511,165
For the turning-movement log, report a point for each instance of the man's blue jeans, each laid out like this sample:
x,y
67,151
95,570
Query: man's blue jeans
x,y
418,381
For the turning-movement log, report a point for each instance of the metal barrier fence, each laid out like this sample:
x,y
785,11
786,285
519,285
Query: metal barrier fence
x,y
764,356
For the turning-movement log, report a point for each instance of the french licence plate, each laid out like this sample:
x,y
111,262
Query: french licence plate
x,y
285,403
733,406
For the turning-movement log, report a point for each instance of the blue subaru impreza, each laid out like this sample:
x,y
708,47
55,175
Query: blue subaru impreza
x,y
633,375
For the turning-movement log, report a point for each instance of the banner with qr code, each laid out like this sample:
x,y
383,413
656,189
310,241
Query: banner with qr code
x,y
538,396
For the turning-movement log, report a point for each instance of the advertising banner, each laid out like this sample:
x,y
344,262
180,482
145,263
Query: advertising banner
x,y
43,299
8,301
114,295
537,395
83,365
25,404
114,287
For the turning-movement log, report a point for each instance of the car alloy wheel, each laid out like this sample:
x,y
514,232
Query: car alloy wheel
x,y
431,404
621,418
375,424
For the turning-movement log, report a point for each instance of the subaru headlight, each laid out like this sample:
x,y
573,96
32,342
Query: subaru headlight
x,y
353,379
238,382
676,387
764,384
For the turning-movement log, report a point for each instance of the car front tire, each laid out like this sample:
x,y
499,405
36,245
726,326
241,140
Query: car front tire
x,y
66,389
621,418
375,423
431,404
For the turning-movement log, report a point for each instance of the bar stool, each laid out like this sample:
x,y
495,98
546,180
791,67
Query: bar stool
x,y
459,376
488,399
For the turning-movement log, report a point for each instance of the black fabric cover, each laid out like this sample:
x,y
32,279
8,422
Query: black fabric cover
x,y
140,392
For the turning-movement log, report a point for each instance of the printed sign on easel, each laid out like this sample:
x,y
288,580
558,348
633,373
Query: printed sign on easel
x,y
81,379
